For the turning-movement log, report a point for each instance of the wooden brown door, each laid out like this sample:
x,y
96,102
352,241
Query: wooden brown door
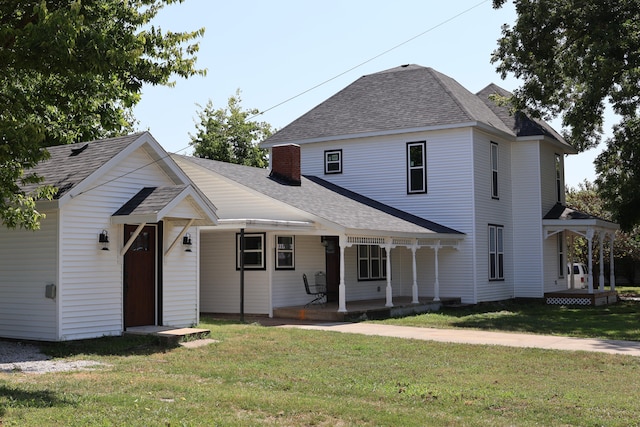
x,y
140,277
333,267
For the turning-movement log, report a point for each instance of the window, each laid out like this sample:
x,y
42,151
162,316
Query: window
x,y
416,167
253,251
285,258
496,252
561,263
558,178
372,262
333,161
494,170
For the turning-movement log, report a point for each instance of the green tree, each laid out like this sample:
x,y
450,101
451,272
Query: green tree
x,y
71,71
229,135
574,57
626,247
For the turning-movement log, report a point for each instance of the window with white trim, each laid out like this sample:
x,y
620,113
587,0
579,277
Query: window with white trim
x,y
496,252
494,170
372,262
558,164
333,161
416,167
285,254
561,263
253,251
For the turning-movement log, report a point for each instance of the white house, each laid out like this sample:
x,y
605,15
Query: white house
x,y
109,254
414,139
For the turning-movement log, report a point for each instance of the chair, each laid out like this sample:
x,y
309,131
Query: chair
x,y
319,290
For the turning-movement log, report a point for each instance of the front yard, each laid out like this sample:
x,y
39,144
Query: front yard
x,y
258,375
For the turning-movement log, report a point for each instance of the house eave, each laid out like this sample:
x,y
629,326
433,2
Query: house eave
x,y
382,133
566,148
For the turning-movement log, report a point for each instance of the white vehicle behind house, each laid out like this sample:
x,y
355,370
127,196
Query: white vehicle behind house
x,y
580,276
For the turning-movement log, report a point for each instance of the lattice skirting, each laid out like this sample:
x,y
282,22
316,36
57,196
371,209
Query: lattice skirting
x,y
568,300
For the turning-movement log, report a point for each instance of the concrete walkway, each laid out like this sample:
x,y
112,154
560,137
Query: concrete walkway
x,y
468,336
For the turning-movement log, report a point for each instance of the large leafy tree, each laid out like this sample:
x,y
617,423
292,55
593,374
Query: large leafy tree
x,y
72,71
626,245
229,135
574,57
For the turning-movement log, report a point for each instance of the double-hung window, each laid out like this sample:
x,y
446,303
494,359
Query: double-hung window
x,y
372,262
561,264
253,251
333,161
285,255
494,170
558,164
496,252
416,167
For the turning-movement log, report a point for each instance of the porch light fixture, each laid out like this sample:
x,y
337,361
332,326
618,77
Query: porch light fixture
x,y
186,242
103,239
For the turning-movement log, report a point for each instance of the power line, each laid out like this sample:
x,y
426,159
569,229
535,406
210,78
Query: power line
x,y
446,21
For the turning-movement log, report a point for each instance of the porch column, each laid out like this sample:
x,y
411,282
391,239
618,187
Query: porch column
x,y
612,276
601,277
572,284
590,233
389,291
342,293
414,286
436,284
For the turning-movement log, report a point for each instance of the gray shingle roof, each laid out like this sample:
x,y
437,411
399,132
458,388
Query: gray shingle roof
x,y
325,200
520,123
150,200
71,164
406,97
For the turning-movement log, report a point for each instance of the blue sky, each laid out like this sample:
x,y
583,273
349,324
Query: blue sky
x,y
274,50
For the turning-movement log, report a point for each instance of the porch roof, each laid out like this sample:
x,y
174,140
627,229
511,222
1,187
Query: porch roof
x,y
327,203
561,217
152,204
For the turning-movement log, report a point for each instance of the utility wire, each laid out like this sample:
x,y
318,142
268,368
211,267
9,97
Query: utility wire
x,y
446,21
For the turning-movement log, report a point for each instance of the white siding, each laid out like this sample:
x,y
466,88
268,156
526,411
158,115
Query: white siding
x,y
27,265
493,211
180,280
90,289
376,168
234,201
527,219
220,281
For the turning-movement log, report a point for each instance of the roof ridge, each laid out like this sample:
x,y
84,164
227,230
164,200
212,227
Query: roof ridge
x,y
438,76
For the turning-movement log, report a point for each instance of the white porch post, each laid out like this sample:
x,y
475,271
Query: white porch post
x,y
436,284
601,276
590,259
342,292
414,286
612,276
389,291
572,283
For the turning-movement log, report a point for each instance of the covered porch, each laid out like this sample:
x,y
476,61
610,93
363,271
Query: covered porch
x,y
568,224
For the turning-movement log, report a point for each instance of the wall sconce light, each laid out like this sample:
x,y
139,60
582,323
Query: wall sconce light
x,y
186,242
324,242
103,239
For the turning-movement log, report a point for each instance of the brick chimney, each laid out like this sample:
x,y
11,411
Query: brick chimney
x,y
285,163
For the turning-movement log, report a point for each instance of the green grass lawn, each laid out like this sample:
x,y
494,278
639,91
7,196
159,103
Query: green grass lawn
x,y
617,321
259,375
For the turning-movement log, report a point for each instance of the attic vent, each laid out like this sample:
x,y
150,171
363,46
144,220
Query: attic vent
x,y
76,151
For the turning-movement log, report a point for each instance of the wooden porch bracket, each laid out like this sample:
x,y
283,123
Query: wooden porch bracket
x,y
132,239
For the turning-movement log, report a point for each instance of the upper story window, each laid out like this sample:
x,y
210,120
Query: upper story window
x,y
558,178
416,167
253,251
333,161
496,252
494,170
